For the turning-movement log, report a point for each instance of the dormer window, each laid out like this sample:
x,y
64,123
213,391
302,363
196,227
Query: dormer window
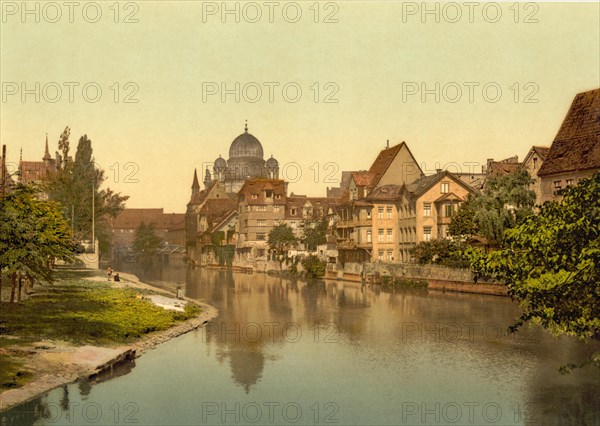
x,y
268,193
254,196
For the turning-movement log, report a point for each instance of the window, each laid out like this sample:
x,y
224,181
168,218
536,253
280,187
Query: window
x,y
268,193
293,224
427,209
445,188
254,196
569,182
293,212
261,208
390,256
368,213
261,236
449,210
380,255
380,213
389,236
557,185
427,233
534,163
261,223
277,196
276,209
389,212
260,252
380,235
369,236
247,208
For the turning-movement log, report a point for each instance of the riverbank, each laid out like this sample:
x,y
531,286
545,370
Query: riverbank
x,y
113,323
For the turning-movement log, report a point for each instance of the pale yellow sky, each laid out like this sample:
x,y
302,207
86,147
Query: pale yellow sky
x,y
383,62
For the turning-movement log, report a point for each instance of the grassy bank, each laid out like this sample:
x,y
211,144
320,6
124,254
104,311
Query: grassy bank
x,y
78,311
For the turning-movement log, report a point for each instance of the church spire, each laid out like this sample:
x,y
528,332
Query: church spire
x,y
195,183
47,156
207,179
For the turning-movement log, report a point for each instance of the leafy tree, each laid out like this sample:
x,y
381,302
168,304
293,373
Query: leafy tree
x,y
73,186
146,243
33,233
315,267
315,233
550,264
281,239
505,202
440,252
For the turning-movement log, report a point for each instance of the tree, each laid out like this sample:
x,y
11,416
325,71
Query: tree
x,y
76,183
315,234
551,264
33,233
146,243
315,267
440,252
281,239
505,202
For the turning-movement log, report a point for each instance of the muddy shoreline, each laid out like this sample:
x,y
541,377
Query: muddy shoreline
x,y
57,363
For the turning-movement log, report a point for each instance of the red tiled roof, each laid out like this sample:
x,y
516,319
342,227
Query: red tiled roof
x,y
132,218
256,187
383,161
385,192
33,171
499,168
363,178
577,143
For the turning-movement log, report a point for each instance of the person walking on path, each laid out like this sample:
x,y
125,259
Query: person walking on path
x,y
109,272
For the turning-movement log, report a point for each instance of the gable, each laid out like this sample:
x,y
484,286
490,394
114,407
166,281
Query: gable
x,y
395,166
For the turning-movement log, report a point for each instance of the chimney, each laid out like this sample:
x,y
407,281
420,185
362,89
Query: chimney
x,y
438,171
387,145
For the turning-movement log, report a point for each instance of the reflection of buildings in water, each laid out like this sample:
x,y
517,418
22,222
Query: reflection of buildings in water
x,y
240,334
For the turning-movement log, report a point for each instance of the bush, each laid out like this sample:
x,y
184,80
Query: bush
x,y
315,268
441,252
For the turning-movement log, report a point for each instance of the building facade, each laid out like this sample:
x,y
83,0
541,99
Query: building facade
x,y
575,151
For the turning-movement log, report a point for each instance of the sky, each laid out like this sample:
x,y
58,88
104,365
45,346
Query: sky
x,y
163,87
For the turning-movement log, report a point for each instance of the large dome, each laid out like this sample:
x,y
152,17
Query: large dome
x,y
246,145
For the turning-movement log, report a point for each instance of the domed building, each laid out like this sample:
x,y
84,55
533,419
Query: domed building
x,y
246,161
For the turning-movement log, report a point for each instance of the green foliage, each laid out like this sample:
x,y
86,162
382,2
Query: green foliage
x,y
146,243
396,282
32,233
87,312
281,239
505,202
315,233
315,267
551,263
74,185
441,252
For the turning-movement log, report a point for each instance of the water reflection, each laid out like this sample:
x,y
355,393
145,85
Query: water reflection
x,y
403,357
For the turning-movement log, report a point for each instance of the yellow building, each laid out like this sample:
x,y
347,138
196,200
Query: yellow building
x,y
426,209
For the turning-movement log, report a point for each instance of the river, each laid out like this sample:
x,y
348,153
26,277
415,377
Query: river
x,y
286,352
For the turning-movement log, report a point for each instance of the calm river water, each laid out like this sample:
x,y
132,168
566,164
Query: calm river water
x,y
283,352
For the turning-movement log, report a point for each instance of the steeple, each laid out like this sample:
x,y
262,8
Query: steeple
x,y
195,184
47,156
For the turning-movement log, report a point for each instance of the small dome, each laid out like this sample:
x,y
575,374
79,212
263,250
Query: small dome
x,y
272,163
220,164
246,145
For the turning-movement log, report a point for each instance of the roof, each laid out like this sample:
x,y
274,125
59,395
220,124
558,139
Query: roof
x,y
577,143
363,178
257,187
423,184
542,151
385,159
385,192
319,205
132,218
33,170
217,210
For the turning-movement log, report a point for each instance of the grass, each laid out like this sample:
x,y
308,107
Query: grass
x,y
81,312
87,312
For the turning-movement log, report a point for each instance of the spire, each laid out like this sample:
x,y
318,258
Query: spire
x,y
246,127
195,183
47,151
